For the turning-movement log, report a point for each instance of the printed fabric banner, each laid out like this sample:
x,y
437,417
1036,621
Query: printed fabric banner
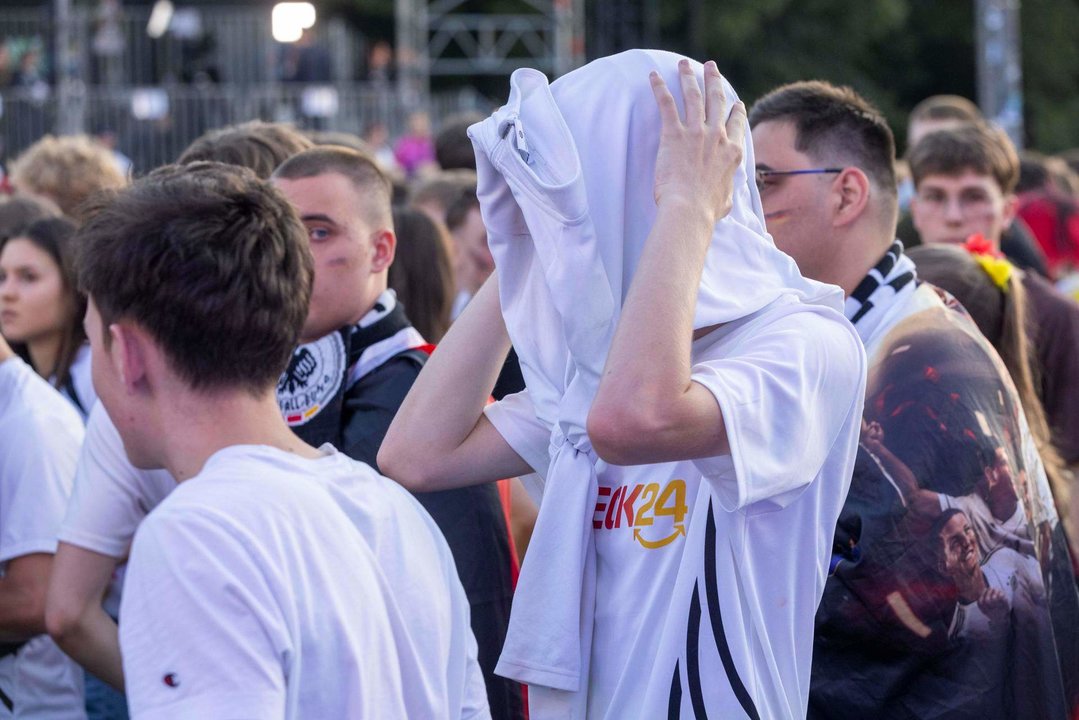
x,y
951,593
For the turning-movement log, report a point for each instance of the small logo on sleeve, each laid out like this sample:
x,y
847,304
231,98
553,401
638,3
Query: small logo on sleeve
x,y
172,680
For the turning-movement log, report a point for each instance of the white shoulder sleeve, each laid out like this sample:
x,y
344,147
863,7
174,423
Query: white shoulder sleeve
x,y
40,436
787,393
111,496
514,417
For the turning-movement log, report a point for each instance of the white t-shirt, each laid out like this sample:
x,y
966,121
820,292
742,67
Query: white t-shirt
x,y
40,434
275,586
1019,578
81,381
110,499
738,542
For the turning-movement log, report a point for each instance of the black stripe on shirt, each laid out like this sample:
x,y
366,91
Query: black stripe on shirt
x,y
711,584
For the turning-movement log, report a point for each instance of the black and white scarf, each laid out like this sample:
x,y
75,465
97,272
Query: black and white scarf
x,y
879,289
311,391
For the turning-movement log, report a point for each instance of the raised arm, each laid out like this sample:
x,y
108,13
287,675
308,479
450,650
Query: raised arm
x,y
440,438
646,391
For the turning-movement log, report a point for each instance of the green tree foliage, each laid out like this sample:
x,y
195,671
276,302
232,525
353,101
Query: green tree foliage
x,y
1051,73
895,52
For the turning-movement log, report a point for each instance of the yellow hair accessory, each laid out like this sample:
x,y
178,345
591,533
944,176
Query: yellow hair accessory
x,y
998,269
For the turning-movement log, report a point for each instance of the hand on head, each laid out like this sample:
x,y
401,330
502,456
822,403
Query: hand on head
x,y
698,155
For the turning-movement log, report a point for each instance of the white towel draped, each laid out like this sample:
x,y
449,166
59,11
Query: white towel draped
x,y
565,179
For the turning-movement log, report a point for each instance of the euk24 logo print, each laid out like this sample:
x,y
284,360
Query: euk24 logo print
x,y
638,507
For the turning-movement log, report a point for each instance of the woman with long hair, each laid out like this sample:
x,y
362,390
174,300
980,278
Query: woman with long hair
x,y
41,308
422,272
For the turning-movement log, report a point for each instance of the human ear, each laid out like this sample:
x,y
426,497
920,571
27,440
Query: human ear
x,y
383,249
127,353
1011,209
851,191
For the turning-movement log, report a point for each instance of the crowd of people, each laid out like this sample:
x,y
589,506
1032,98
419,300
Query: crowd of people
x,y
546,417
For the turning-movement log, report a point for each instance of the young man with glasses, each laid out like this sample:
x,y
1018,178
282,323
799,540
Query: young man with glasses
x,y
964,180
937,404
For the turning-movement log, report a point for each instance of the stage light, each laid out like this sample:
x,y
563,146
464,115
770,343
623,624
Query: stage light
x,y
290,19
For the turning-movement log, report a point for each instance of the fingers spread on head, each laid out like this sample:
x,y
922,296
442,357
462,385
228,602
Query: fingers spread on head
x,y
691,94
668,110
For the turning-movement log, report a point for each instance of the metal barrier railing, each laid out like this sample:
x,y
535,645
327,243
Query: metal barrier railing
x,y
152,125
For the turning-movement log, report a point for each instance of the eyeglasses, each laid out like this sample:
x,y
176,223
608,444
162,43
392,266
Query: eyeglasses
x,y
763,175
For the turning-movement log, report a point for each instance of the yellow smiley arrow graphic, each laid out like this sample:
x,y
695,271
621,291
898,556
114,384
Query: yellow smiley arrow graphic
x,y
653,544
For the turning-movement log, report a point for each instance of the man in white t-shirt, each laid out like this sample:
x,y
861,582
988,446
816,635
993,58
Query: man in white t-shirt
x,y
40,435
721,453
277,580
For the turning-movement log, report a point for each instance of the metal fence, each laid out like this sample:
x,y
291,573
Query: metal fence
x,y
230,44
152,125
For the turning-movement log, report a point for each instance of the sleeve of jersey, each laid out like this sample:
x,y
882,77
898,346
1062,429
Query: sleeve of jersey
x,y
514,417
786,394
106,505
201,635
38,470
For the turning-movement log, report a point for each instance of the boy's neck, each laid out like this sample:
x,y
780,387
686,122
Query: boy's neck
x,y
206,423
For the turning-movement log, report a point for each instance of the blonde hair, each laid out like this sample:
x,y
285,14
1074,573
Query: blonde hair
x,y
66,170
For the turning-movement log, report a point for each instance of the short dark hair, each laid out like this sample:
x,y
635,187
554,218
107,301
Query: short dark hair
x,y
945,107
422,272
56,237
453,148
358,167
256,145
979,147
212,262
833,124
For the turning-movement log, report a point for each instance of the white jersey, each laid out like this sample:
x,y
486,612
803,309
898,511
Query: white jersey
x,y
111,496
709,572
110,499
40,434
275,586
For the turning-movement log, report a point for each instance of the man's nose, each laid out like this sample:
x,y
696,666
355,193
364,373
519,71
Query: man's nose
x,y
953,210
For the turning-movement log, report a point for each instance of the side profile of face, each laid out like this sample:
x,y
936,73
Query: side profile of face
x,y
950,208
961,556
796,207
33,302
472,256
351,254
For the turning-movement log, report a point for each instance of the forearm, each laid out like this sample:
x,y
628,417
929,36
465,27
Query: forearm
x,y
74,615
22,612
94,643
22,597
646,390
426,447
